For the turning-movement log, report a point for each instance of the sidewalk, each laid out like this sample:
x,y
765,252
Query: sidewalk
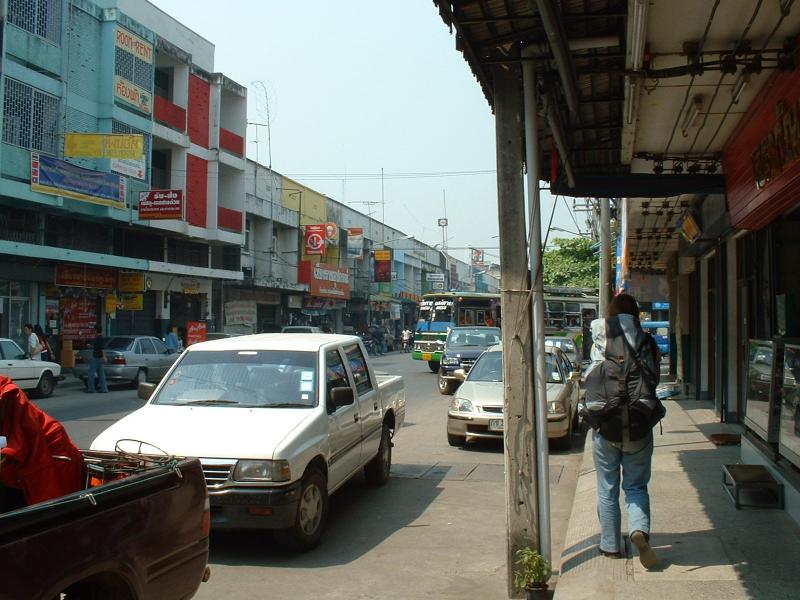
x,y
707,549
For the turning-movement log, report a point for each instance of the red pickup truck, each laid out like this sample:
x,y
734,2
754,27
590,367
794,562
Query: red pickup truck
x,y
142,535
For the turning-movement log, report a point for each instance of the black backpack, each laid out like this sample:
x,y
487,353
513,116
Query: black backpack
x,y
621,391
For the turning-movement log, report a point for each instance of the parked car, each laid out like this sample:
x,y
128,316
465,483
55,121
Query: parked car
x,y
566,345
130,358
462,348
476,410
279,423
138,537
300,329
37,377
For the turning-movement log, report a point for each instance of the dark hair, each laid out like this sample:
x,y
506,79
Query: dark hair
x,y
169,327
624,304
29,326
37,329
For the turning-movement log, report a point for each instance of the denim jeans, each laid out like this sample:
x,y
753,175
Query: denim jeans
x,y
96,366
635,467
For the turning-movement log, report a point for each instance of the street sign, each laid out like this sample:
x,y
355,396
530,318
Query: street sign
x,y
434,277
442,222
438,285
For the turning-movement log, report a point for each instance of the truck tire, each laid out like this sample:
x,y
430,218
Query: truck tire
x,y
433,366
378,469
46,385
446,387
312,514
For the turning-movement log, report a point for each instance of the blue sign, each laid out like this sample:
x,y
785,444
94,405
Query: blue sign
x,y
59,178
660,305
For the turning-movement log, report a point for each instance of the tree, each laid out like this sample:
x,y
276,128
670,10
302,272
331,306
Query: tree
x,y
572,263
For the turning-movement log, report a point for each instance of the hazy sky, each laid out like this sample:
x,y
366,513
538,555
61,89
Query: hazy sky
x,y
359,85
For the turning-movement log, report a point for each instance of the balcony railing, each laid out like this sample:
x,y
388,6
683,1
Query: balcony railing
x,y
169,114
231,142
229,219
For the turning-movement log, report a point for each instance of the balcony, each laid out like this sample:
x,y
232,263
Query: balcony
x,y
169,114
231,142
229,219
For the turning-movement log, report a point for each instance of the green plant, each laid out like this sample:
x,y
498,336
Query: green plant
x,y
533,570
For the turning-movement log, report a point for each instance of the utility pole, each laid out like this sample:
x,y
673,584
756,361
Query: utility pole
x,y
605,256
519,417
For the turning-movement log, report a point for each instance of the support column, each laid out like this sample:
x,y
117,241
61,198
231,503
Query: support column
x,y
605,256
703,332
518,409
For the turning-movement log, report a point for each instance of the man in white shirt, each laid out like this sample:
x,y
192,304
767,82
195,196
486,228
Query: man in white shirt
x,y
34,348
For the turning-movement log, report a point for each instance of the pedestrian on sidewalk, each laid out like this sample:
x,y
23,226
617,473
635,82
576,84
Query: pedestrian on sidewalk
x,y
96,363
32,345
621,407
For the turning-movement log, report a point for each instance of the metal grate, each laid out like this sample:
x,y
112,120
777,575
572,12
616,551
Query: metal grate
x,y
30,117
133,68
217,475
39,17
493,409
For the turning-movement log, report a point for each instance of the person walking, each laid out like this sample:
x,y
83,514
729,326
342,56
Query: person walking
x,y
32,345
622,408
47,351
96,363
171,339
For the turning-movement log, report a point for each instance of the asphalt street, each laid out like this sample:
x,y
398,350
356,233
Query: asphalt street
x,y
436,530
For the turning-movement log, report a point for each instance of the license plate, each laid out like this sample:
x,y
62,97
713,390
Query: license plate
x,y
427,356
495,424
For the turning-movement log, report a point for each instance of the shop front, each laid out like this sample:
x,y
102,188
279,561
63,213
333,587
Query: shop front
x,y
252,310
329,291
79,292
182,302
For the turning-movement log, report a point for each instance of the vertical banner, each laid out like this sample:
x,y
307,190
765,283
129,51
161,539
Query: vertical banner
x,y
314,239
355,242
622,278
383,266
477,257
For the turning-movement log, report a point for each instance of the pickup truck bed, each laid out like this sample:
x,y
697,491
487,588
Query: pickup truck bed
x,y
144,536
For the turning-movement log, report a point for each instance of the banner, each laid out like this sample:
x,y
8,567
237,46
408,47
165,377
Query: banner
x,y
383,266
314,239
477,257
331,232
329,281
86,277
104,145
59,178
240,312
161,204
622,263
195,332
132,94
130,281
355,242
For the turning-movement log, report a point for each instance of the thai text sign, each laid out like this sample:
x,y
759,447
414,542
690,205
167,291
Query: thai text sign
x,y
130,42
130,281
355,242
315,239
780,147
132,94
329,281
59,178
84,276
383,266
104,145
131,301
161,204
78,317
240,312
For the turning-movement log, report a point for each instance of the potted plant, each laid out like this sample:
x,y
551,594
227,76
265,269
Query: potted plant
x,y
532,573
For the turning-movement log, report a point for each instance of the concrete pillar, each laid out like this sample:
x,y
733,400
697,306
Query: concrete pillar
x,y
703,332
731,317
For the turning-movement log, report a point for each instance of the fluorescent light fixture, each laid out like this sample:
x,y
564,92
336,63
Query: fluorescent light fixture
x,y
638,32
692,112
738,87
630,99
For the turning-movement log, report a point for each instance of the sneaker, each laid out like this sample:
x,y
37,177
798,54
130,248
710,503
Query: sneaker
x,y
609,554
646,555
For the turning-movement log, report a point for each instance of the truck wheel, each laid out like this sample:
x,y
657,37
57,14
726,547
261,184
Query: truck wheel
x,y
377,470
433,366
456,440
46,385
446,386
312,514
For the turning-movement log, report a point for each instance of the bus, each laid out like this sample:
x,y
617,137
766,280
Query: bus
x,y
660,332
567,312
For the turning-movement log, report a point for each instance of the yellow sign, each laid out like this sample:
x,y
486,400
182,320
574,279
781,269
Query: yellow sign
x,y
111,304
130,42
130,281
131,301
104,145
383,255
132,94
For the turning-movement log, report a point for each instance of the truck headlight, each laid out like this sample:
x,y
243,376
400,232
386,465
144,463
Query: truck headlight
x,y
555,407
450,360
262,470
461,405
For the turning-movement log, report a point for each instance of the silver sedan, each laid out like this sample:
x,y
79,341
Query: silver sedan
x,y
130,358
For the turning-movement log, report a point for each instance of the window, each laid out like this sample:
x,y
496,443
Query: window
x,y
160,347
133,68
10,350
359,368
147,347
247,226
163,82
335,373
30,118
39,17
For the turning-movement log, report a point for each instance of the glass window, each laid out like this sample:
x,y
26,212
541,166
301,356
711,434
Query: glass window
x,y
359,368
161,348
335,373
10,350
489,367
147,346
119,343
552,369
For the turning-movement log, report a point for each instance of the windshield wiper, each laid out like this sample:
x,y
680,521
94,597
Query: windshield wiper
x,y
211,402
286,405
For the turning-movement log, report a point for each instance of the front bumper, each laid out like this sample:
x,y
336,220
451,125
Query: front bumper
x,y
476,425
429,356
254,508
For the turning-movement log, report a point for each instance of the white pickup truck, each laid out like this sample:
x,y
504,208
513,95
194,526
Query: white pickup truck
x,y
279,422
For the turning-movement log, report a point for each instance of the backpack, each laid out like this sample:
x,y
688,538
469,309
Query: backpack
x,y
621,390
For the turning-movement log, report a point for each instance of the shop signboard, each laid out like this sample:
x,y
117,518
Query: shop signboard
x,y
86,277
161,204
240,312
383,266
130,281
434,277
78,317
195,332
329,281
355,242
59,178
138,49
131,302
132,94
190,286
477,257
105,145
314,240
136,168
331,232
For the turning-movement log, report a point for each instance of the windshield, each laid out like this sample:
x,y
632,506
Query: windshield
x,y
473,337
435,315
119,343
489,367
243,378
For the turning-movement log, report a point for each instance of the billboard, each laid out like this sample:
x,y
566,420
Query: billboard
x,y
314,239
355,242
161,204
329,281
383,266
104,145
59,178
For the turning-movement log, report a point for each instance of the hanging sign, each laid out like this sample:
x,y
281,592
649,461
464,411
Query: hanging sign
x,y
130,281
331,232
383,266
315,239
161,204
355,242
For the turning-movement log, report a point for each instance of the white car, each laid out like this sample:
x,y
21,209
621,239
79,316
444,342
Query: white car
x,y
31,375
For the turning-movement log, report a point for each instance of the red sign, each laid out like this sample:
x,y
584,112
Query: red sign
x,y
195,332
87,277
161,204
329,281
383,266
78,317
315,239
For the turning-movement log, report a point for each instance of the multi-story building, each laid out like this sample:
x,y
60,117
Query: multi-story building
x,y
73,250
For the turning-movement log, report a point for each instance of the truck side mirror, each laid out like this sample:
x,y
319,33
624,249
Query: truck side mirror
x,y
340,396
145,390
460,374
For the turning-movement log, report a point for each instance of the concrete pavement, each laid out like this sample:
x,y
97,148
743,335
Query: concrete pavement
x,y
707,548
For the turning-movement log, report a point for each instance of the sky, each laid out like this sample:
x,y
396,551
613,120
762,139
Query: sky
x,y
357,86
